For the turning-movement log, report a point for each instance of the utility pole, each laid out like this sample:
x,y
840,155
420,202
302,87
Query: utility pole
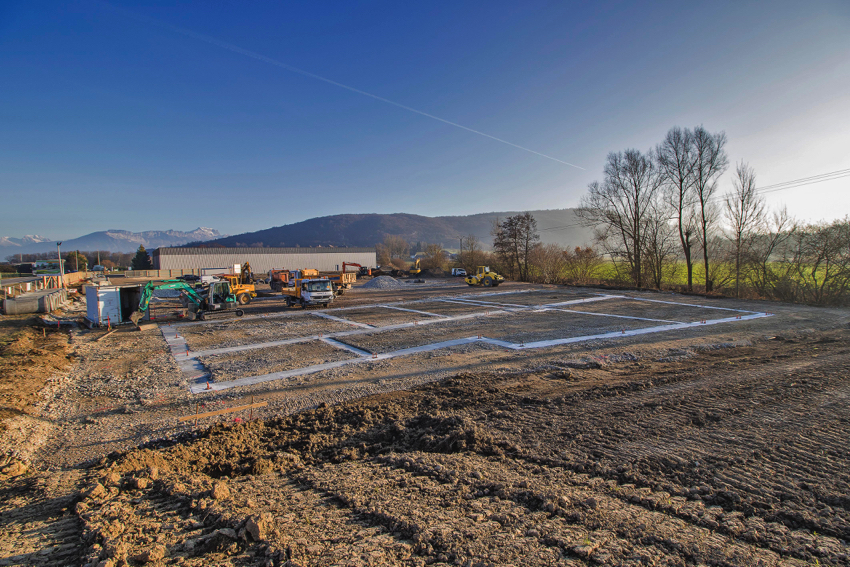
x,y
61,269
77,259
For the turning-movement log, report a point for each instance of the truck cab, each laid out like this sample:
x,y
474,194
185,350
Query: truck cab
x,y
311,291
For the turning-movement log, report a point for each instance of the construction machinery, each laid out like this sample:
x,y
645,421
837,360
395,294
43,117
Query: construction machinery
x,y
363,270
484,276
244,292
309,291
217,297
416,269
341,280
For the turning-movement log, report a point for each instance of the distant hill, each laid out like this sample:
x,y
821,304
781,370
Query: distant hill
x,y
559,226
112,240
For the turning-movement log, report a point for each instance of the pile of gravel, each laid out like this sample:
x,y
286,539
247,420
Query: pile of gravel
x,y
383,282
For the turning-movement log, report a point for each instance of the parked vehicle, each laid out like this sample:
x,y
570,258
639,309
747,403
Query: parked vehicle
x,y
458,272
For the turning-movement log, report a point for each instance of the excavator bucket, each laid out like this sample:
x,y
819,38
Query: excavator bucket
x,y
136,317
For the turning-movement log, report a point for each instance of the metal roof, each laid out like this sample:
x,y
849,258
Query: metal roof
x,y
251,250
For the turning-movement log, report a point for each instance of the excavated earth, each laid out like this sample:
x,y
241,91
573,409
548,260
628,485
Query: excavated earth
x,y
722,445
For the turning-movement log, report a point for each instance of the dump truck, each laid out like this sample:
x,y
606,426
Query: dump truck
x,y
484,276
283,278
341,280
309,291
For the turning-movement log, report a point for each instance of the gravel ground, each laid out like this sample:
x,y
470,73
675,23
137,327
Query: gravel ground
x,y
273,359
541,297
652,310
381,316
237,333
445,308
512,327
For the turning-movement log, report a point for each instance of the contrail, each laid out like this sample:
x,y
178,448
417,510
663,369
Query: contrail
x,y
276,63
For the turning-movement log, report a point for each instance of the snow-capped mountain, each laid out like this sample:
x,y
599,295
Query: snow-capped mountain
x,y
112,240
25,240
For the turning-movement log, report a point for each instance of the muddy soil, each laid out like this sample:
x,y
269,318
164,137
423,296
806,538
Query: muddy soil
x,y
29,355
267,360
663,463
714,445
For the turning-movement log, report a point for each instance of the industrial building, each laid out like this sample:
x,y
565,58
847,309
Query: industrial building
x,y
262,259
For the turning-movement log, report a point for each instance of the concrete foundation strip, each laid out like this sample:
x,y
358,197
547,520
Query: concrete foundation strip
x,y
412,311
445,344
341,320
369,331
349,348
610,315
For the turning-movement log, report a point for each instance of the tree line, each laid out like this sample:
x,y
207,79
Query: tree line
x,y
86,259
660,211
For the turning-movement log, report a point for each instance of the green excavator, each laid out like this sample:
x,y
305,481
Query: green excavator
x,y
217,297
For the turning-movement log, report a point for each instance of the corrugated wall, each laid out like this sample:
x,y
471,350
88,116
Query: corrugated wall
x,y
263,260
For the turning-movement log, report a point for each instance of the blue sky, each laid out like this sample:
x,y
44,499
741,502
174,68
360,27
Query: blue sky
x,y
112,118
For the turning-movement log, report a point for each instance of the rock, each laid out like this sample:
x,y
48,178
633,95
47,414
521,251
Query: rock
x,y
220,491
141,483
81,507
96,491
154,554
106,563
227,532
532,533
259,526
15,469
153,473
112,478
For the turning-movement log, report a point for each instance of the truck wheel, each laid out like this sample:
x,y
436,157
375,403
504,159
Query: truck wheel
x,y
239,312
303,305
488,282
243,298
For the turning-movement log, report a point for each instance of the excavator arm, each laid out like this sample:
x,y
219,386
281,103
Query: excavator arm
x,y
147,295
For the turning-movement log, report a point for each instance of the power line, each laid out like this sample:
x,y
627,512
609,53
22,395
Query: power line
x,y
793,184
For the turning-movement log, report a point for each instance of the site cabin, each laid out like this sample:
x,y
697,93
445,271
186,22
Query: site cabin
x,y
310,291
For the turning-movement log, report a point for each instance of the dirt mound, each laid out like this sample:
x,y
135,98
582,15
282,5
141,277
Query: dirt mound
x,y
27,359
383,282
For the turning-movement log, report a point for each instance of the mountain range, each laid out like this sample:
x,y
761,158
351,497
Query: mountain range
x,y
112,240
558,226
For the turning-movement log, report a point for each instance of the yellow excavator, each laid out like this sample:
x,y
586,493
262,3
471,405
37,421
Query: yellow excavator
x,y
484,276
416,270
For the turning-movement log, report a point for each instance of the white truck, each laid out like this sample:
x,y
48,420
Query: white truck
x,y
312,291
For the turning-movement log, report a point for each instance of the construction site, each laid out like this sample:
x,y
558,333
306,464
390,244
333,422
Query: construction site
x,y
425,421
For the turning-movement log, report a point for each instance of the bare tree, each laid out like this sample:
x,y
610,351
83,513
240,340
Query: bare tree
x,y
676,162
660,248
549,263
435,257
622,205
710,161
582,264
471,254
745,211
514,239
764,270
